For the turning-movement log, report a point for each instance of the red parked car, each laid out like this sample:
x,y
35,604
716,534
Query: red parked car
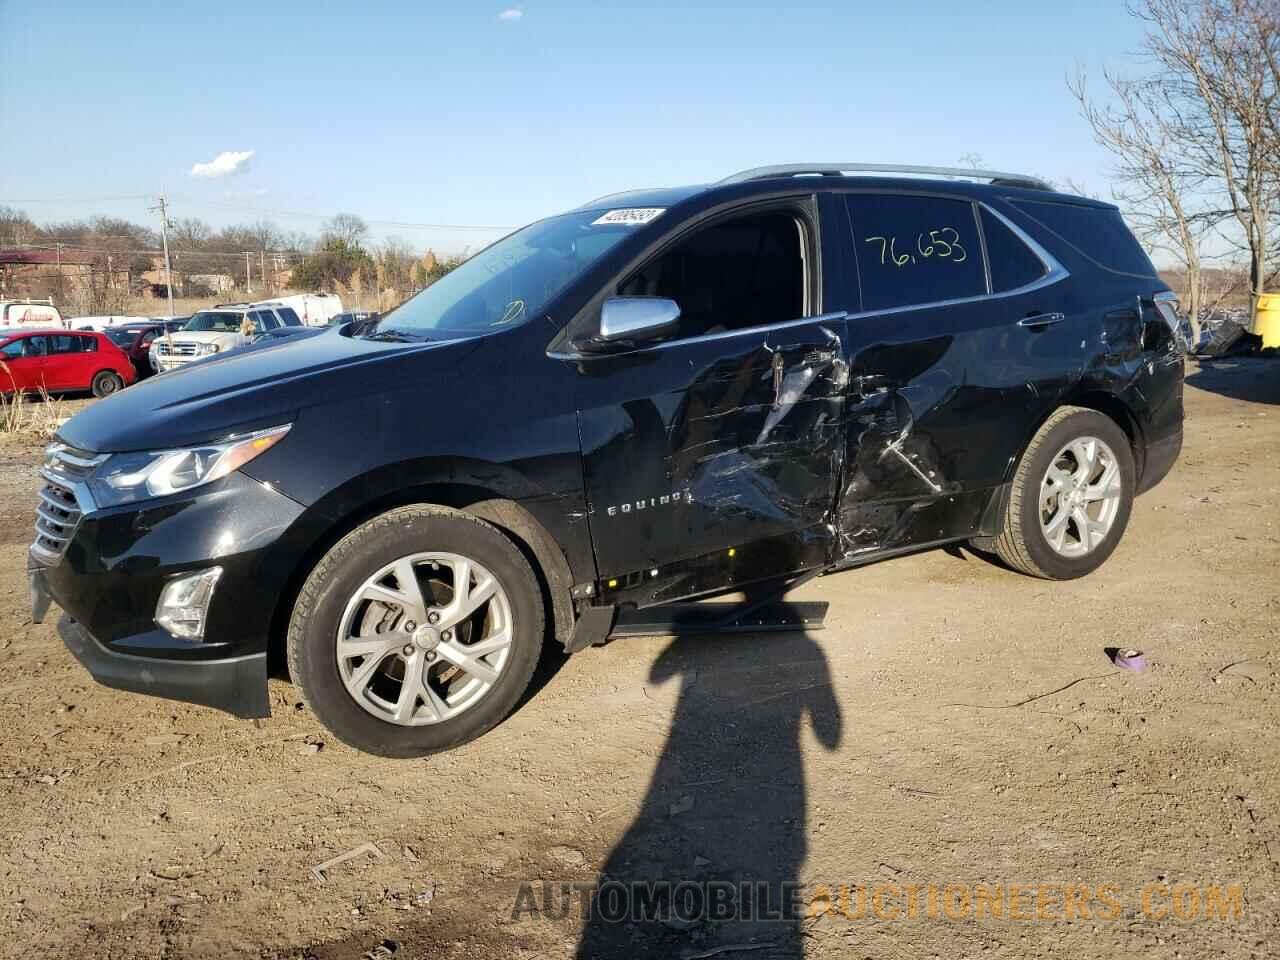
x,y
62,360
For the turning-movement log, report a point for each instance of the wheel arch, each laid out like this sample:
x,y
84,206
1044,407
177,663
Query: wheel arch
x,y
549,564
1110,406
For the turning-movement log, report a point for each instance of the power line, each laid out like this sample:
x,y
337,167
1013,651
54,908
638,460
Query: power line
x,y
273,212
329,216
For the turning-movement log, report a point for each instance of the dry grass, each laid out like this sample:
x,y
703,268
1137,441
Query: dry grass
x,y
21,416
30,418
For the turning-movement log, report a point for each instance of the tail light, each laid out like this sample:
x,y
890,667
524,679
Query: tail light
x,y
1167,306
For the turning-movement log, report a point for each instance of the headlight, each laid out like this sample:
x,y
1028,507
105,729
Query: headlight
x,y
126,477
206,348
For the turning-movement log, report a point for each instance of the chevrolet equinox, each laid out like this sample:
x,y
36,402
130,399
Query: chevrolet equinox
x,y
660,396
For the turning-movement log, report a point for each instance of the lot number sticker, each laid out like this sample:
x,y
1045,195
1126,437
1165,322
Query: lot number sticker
x,y
631,216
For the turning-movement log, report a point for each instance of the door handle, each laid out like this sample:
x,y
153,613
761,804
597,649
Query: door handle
x,y
1038,321
872,385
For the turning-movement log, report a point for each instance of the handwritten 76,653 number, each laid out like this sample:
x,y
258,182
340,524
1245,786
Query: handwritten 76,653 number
x,y
931,245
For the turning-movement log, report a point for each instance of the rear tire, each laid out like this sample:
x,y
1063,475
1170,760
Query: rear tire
x,y
106,382
1071,497
424,687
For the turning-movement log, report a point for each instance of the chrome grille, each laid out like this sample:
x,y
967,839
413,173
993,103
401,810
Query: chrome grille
x,y
166,349
64,472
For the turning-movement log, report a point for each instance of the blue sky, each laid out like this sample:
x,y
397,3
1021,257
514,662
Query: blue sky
x,y
454,113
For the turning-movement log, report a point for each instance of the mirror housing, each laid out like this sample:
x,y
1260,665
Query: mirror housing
x,y
630,322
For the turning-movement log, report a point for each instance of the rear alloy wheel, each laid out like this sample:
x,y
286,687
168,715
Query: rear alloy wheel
x,y
1071,497
1080,497
106,383
417,632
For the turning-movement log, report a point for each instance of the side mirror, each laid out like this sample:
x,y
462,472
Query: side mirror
x,y
634,320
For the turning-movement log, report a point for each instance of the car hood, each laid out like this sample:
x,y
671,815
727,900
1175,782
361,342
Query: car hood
x,y
215,398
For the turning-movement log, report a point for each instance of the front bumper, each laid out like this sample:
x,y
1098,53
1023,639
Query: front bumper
x,y
237,685
118,560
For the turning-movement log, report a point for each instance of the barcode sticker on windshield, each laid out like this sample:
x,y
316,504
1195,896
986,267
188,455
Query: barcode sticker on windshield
x,y
631,216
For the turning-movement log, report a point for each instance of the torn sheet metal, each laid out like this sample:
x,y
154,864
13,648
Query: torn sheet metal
x,y
749,450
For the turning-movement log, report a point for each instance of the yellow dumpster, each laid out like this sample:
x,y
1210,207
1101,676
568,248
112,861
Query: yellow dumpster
x,y
1268,323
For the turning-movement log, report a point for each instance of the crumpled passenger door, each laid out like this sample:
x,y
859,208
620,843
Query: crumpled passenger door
x,y
714,462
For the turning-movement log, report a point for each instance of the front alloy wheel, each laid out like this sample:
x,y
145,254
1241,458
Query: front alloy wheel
x,y
424,638
418,631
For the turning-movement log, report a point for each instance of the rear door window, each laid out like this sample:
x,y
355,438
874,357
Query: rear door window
x,y
1013,263
915,250
288,317
88,344
1097,232
64,344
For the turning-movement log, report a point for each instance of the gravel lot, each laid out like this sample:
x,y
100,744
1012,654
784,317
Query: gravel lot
x,y
955,724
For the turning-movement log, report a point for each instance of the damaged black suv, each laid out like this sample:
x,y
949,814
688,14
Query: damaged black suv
x,y
660,396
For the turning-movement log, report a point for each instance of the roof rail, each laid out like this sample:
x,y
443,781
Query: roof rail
x,y
839,169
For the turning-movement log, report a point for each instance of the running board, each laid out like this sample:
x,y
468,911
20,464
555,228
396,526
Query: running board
x,y
701,619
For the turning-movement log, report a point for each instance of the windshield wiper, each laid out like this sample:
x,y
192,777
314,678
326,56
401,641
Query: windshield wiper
x,y
395,336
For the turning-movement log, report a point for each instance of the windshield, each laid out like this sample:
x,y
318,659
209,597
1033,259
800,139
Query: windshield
x,y
121,338
508,283
214,320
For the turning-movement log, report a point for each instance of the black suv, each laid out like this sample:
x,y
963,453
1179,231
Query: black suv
x,y
659,396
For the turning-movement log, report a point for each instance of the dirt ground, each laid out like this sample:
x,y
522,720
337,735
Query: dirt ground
x,y
954,724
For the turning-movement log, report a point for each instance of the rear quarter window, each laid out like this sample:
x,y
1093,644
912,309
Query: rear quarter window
x,y
1013,263
1099,233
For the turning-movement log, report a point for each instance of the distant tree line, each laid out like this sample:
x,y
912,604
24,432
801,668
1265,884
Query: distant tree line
x,y
342,259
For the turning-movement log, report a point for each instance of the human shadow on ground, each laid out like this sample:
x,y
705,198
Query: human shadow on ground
x,y
714,855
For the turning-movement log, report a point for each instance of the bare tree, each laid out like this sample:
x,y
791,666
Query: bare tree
x,y
1217,73
16,227
346,228
190,233
1155,183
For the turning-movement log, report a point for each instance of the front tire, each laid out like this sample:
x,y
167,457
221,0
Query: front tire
x,y
106,382
416,632
1071,497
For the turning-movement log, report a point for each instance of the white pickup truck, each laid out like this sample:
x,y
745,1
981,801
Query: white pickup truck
x,y
218,329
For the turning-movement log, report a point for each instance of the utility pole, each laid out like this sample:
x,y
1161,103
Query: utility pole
x,y
262,272
168,272
248,272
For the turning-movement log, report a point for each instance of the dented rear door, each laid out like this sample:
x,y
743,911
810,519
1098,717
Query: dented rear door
x,y
948,378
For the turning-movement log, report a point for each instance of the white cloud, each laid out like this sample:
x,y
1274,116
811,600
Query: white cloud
x,y
224,164
511,15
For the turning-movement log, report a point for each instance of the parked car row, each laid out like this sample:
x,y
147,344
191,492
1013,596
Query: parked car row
x,y
56,359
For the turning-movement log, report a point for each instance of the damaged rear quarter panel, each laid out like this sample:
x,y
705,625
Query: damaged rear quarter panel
x,y
941,402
